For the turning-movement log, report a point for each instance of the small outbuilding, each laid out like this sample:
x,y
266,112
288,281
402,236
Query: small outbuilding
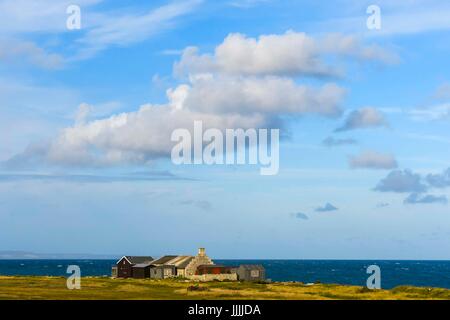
x,y
114,271
251,272
126,263
141,270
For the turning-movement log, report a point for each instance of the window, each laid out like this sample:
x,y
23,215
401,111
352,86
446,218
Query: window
x,y
167,272
254,273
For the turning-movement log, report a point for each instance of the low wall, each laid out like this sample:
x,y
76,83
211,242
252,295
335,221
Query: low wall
x,y
212,277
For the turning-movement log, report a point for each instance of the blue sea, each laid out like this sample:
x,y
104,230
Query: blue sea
x,y
353,272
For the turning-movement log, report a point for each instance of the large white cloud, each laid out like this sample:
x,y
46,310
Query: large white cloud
x,y
267,95
135,137
138,137
247,83
292,53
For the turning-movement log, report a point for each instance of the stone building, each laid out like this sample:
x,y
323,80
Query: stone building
x,y
200,259
251,272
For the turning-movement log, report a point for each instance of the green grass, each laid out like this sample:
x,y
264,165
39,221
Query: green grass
x,y
173,289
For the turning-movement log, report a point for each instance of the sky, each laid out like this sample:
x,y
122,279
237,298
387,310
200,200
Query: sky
x,y
86,117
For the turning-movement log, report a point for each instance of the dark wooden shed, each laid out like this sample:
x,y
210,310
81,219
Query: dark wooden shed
x,y
126,263
141,270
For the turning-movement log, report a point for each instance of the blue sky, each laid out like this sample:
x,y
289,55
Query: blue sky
x,y
86,116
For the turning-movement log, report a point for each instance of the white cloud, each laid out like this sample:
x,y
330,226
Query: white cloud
x,y
401,181
218,92
362,119
326,208
291,54
141,136
268,95
441,180
373,160
28,52
416,198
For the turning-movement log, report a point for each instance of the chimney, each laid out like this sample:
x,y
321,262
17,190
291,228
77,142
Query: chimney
x,y
201,252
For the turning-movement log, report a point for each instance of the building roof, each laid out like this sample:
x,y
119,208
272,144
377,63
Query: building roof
x,y
181,262
163,260
137,259
142,265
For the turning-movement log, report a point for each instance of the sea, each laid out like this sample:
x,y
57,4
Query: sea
x,y
350,272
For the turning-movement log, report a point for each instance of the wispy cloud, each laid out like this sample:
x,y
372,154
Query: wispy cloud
x,y
22,52
382,205
416,198
401,17
431,113
334,142
363,119
373,160
441,180
326,208
247,3
100,29
37,16
301,216
91,178
126,29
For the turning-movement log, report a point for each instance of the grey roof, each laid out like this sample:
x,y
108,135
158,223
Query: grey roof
x,y
163,260
138,260
164,266
252,266
184,262
142,265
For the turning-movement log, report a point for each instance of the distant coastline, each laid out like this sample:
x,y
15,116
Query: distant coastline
x,y
25,255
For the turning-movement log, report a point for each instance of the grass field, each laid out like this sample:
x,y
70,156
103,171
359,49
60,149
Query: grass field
x,y
107,288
